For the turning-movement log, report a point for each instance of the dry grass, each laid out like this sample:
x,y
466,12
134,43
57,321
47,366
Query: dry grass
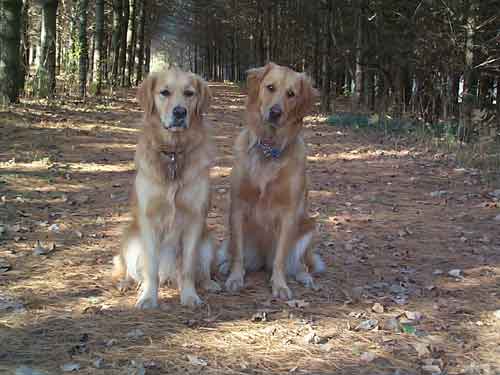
x,y
70,165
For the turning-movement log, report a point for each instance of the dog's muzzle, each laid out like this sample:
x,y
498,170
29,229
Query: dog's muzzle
x,y
275,113
173,124
177,120
177,124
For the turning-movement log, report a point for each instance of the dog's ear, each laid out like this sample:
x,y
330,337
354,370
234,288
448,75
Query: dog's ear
x,y
254,78
308,94
145,95
204,95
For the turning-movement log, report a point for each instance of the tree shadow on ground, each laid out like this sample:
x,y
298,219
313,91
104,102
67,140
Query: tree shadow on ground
x,y
381,232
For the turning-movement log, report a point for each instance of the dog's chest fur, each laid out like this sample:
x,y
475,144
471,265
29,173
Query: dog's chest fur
x,y
156,202
174,188
171,164
265,186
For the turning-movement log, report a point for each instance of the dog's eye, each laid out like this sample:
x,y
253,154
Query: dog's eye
x,y
165,93
271,88
188,93
290,94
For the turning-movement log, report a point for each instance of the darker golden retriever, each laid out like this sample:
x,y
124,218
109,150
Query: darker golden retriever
x,y
269,224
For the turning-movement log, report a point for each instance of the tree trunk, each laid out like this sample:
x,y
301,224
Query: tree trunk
x,y
38,47
195,59
140,41
131,40
468,101
47,63
316,54
83,52
115,43
148,30
262,41
445,91
32,54
268,33
10,61
498,104
108,63
397,92
358,74
233,62
208,53
454,87
25,46
147,55
123,41
73,60
369,90
325,68
253,42
485,84
90,62
98,45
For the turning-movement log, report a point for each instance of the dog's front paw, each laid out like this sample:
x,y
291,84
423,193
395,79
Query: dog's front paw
x,y
146,301
235,282
211,286
281,290
190,299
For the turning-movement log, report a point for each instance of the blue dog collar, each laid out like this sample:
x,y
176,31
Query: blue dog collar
x,y
268,149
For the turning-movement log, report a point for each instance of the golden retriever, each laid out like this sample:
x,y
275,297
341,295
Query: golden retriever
x,y
168,239
268,220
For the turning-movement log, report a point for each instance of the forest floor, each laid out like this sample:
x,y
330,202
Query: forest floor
x,y
393,220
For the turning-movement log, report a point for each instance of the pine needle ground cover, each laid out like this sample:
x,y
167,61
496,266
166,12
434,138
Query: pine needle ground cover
x,y
410,238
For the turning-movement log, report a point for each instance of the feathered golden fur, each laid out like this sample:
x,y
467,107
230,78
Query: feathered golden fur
x,y
269,223
168,238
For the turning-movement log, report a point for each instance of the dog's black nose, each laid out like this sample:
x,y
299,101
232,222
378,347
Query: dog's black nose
x,y
275,112
179,112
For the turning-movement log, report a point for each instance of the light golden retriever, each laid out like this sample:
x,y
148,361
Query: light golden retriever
x,y
168,239
269,224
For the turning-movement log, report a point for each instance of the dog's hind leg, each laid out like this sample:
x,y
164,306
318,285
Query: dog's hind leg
x,y
119,270
167,266
119,273
302,255
314,262
295,262
127,265
222,258
235,281
206,258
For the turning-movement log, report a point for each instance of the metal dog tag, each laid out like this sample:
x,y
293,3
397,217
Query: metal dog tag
x,y
172,165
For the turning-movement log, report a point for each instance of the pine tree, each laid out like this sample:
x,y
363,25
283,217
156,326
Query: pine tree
x,y
10,59
46,72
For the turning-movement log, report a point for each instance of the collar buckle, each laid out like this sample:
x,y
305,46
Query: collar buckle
x,y
171,157
268,149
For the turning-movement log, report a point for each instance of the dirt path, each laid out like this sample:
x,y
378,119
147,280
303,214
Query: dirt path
x,y
64,177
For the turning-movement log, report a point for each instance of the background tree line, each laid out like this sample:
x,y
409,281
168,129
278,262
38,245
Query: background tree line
x,y
435,60
73,46
420,58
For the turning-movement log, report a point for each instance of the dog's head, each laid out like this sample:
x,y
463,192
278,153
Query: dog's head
x,y
278,97
176,98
